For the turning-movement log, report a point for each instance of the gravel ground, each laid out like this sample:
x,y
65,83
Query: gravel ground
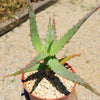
x,y
16,49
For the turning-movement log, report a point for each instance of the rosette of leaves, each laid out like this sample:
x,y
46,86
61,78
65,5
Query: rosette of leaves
x,y
47,52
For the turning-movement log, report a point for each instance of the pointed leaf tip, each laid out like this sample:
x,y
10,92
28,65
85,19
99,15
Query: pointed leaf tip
x,y
80,53
50,19
53,24
5,76
53,20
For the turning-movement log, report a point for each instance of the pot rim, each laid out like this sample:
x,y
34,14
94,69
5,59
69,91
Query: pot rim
x,y
22,76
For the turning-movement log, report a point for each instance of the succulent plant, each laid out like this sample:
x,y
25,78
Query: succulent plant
x,y
47,52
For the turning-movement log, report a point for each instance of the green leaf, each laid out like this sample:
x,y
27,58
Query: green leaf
x,y
63,60
48,40
33,30
53,31
40,57
37,67
57,46
62,71
51,35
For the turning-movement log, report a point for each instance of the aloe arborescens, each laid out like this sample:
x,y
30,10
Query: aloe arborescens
x,y
48,52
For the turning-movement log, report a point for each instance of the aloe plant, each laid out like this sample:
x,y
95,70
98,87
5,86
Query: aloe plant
x,y
47,52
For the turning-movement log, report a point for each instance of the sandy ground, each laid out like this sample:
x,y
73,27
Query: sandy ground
x,y
16,49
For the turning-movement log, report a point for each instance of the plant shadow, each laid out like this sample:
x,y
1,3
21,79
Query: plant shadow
x,y
24,95
53,79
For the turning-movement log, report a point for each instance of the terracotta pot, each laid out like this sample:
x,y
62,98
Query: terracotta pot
x,y
71,96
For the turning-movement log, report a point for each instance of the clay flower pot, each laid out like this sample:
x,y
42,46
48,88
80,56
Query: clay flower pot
x,y
71,96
